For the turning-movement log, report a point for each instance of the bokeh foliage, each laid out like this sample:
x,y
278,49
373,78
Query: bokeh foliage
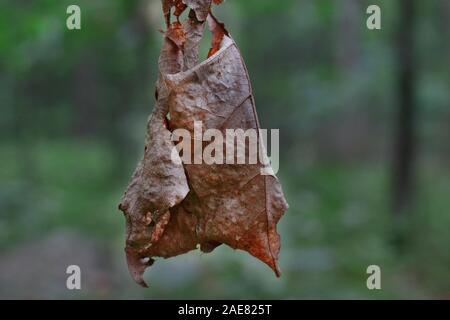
x,y
74,106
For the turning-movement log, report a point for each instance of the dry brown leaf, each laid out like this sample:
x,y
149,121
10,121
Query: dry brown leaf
x,y
171,209
200,7
218,31
194,33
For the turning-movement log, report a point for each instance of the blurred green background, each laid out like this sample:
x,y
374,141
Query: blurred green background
x,y
364,148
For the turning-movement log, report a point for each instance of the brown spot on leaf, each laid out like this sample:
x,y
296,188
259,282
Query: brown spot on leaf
x,y
219,32
176,34
180,6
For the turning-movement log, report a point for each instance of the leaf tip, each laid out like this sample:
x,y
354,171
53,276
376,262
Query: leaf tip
x,y
277,271
137,266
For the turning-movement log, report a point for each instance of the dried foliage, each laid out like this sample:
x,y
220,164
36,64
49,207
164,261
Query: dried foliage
x,y
173,207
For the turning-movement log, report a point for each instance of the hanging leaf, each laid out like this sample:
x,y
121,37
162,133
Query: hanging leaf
x,y
172,207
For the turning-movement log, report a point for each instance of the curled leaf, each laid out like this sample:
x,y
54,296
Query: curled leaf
x,y
219,32
173,207
200,7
